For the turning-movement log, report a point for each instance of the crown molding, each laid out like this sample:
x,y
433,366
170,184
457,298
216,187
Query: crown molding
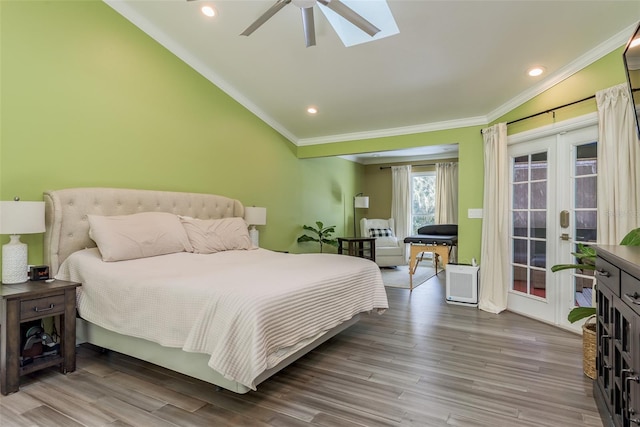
x,y
406,130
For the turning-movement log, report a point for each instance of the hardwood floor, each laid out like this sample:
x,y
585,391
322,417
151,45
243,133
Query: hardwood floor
x,y
422,363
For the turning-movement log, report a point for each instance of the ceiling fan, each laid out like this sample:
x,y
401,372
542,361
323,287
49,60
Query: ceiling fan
x,y
306,8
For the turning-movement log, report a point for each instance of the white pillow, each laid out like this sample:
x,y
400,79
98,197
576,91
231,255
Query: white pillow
x,y
208,236
140,235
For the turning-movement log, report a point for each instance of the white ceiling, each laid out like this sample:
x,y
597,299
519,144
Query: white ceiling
x,y
453,64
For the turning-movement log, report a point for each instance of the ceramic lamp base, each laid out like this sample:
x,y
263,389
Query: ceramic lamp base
x,y
255,236
14,261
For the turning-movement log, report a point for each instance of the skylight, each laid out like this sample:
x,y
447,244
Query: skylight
x,y
375,11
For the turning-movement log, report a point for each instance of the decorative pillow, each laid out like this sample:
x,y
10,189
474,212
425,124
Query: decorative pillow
x,y
208,236
140,235
381,232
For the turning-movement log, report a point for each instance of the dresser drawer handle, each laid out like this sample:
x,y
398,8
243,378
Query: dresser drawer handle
x,y
633,298
603,273
39,310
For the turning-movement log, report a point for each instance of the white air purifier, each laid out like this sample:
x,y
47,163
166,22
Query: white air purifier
x,y
462,284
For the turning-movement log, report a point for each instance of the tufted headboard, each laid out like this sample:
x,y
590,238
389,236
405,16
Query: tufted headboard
x,y
68,227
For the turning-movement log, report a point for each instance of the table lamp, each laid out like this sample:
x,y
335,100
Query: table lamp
x,y
255,216
18,218
360,202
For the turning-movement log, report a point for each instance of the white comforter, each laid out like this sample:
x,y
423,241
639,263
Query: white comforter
x,y
247,309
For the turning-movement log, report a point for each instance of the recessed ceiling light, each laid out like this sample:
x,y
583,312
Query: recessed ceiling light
x,y
312,110
208,10
535,71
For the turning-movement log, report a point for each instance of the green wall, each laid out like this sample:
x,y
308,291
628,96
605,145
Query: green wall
x,y
87,99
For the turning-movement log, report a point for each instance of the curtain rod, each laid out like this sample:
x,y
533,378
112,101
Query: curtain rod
x,y
413,166
550,110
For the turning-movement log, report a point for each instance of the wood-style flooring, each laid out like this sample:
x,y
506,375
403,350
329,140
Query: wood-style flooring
x,y
422,363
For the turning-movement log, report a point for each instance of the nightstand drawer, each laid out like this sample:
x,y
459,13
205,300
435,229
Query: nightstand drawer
x,y
39,307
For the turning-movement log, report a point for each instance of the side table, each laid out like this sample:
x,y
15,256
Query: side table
x,y
32,301
363,247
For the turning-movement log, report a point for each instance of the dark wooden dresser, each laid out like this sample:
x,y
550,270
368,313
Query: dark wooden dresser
x,y
617,385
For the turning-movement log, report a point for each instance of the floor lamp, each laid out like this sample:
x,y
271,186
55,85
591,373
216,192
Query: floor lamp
x,y
359,202
255,216
18,218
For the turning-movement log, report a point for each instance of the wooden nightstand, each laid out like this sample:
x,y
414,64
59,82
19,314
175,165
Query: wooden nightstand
x,y
32,301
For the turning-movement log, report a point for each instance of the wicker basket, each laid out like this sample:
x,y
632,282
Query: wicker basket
x,y
589,349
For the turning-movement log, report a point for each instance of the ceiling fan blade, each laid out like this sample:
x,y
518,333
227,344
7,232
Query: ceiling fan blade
x,y
309,26
347,13
265,17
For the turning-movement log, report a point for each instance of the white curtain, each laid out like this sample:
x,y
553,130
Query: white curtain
x,y
494,266
618,160
401,201
447,193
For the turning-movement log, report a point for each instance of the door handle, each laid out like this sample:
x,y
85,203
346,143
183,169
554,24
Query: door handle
x,y
565,236
564,219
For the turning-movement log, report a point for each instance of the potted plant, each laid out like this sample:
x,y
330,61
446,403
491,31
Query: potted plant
x,y
586,260
321,234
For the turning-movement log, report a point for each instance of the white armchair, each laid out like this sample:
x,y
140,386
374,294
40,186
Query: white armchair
x,y
389,251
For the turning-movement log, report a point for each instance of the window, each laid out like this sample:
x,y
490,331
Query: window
x,y
423,200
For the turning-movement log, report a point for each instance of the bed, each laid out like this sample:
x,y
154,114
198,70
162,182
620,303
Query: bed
x,y
439,239
229,315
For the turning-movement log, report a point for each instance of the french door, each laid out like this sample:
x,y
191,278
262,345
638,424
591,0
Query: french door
x,y
553,196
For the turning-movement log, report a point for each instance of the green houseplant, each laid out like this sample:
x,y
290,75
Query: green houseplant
x,y
586,260
321,235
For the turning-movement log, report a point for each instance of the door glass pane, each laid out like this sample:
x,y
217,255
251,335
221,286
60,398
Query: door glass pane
x,y
521,196
521,169
586,192
585,217
520,282
538,283
538,253
539,224
529,228
539,195
520,223
586,223
539,166
520,251
586,159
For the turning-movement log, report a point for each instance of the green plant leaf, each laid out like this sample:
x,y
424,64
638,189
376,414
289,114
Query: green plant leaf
x,y
580,313
306,238
559,267
632,238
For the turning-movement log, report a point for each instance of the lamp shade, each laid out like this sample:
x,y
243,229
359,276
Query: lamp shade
x,y
255,216
361,202
21,217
